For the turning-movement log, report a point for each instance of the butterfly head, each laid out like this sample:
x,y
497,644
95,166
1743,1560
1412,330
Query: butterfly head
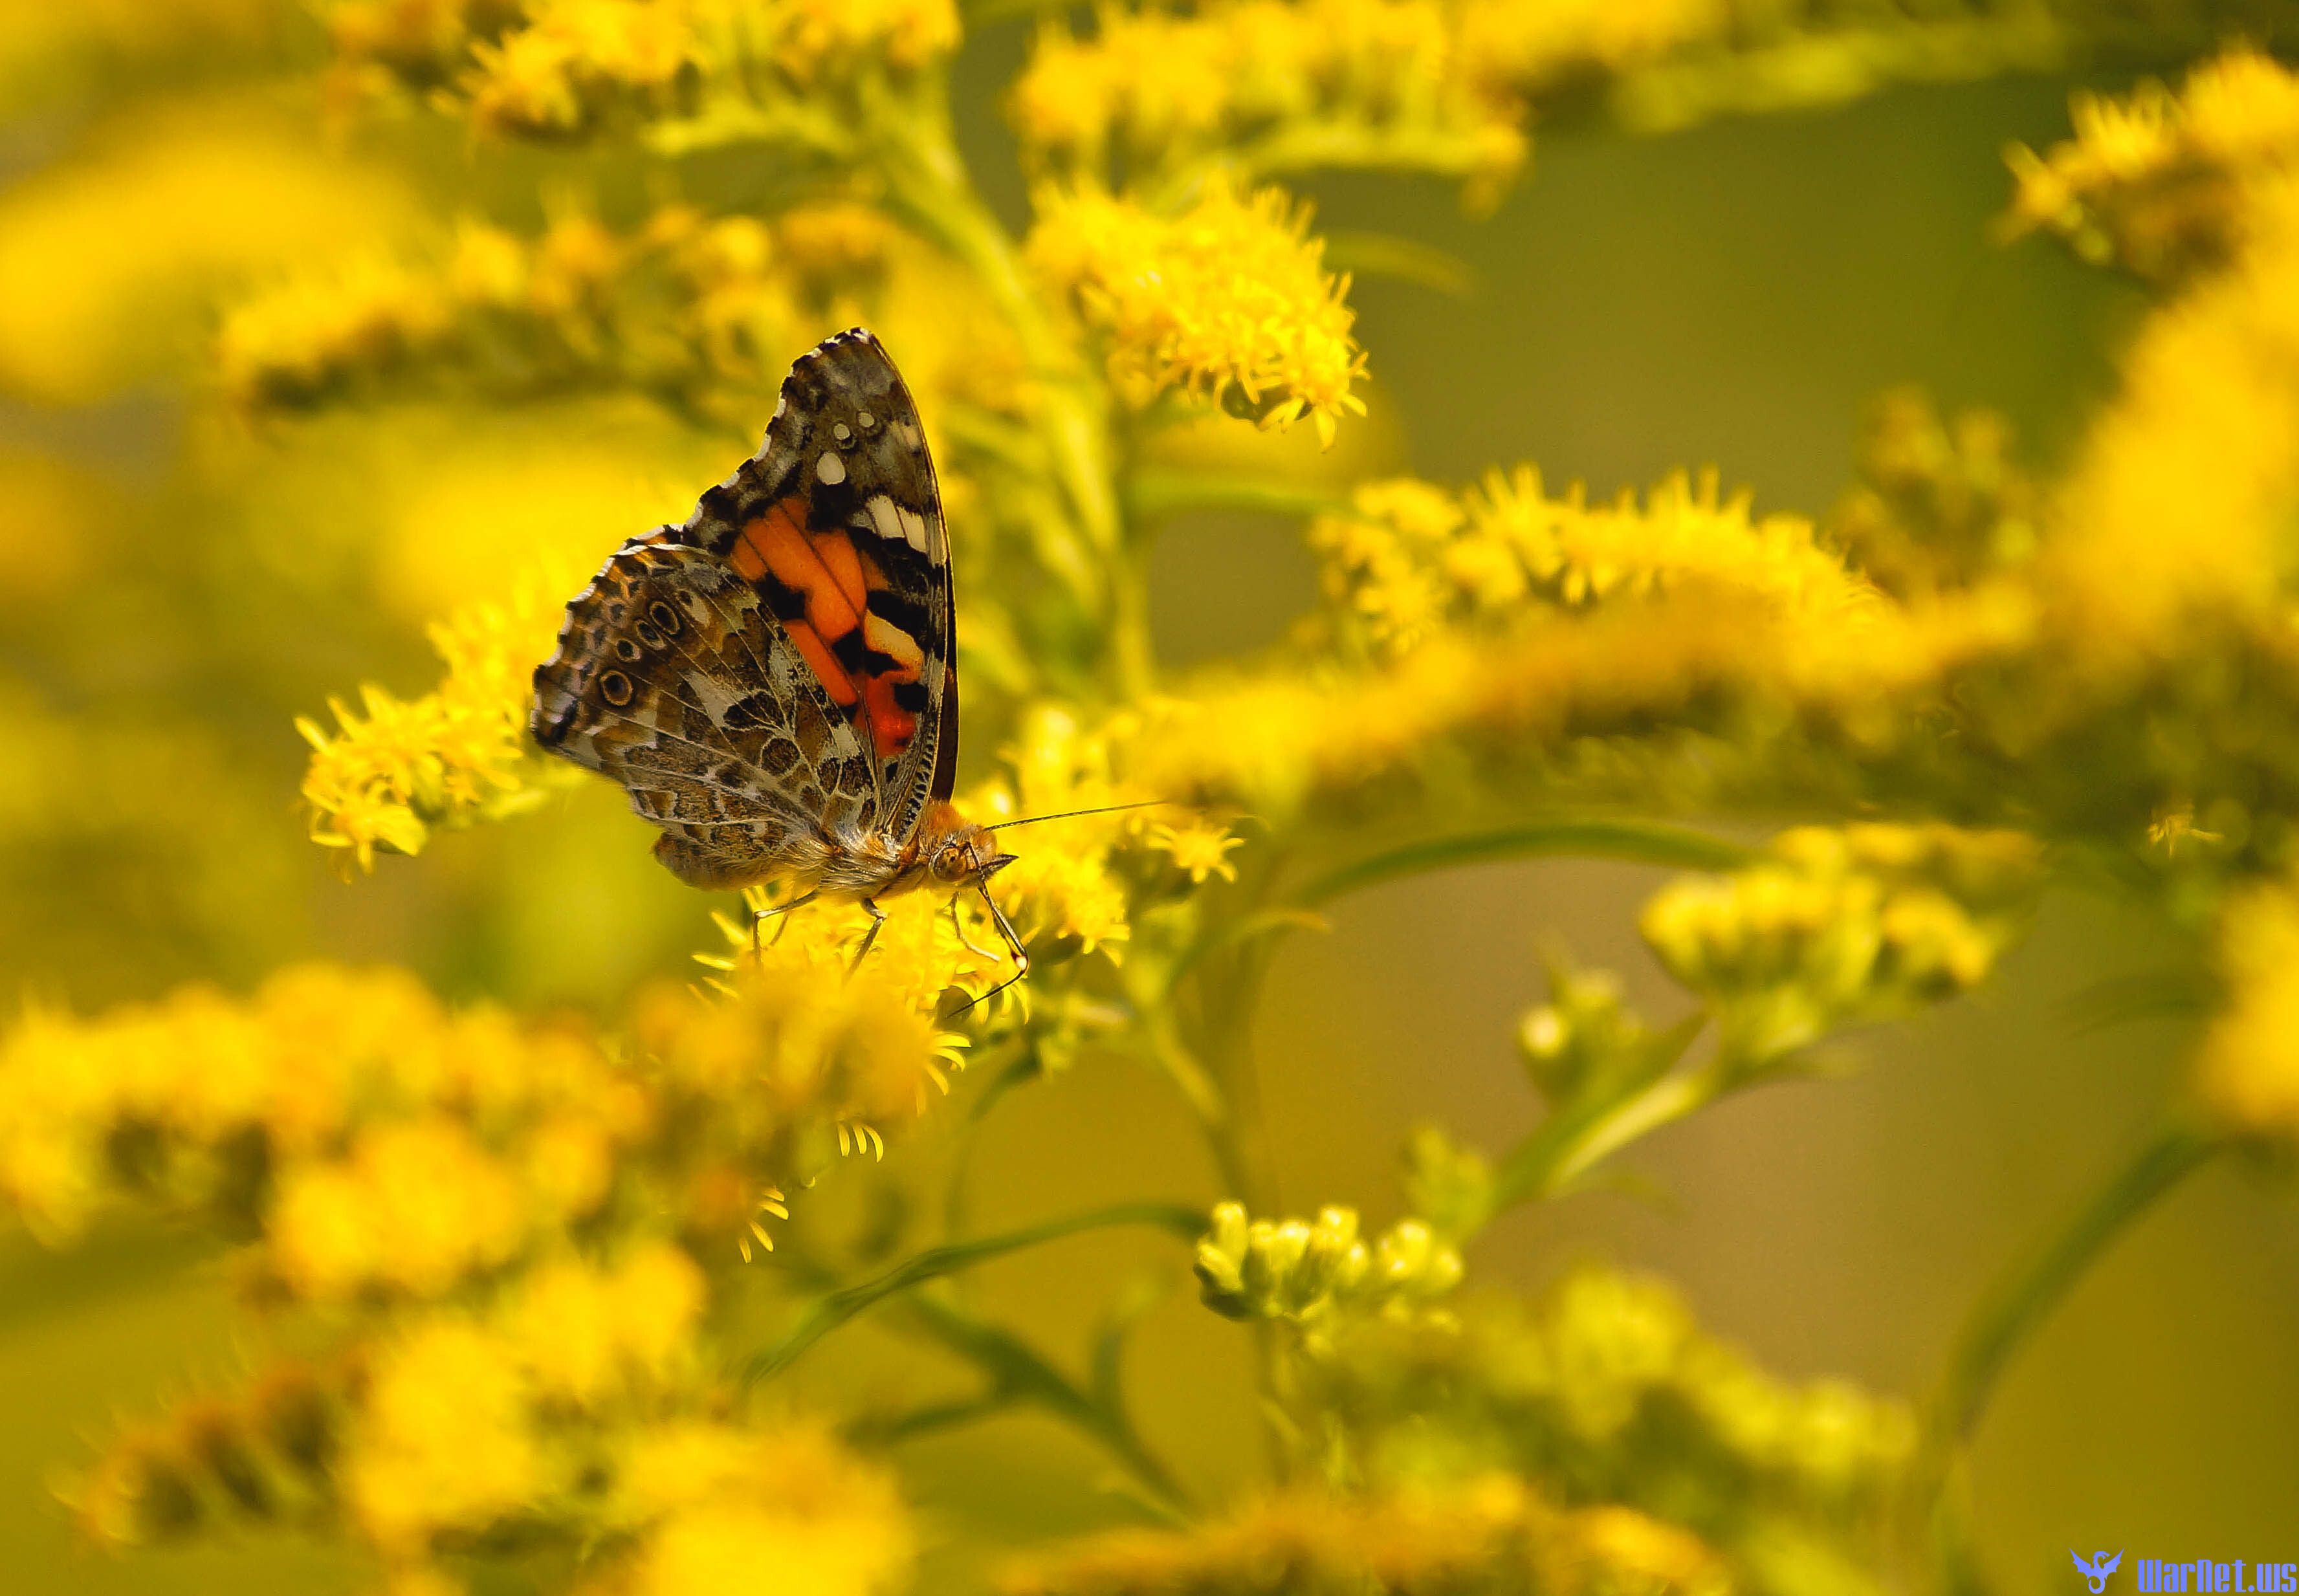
x,y
965,855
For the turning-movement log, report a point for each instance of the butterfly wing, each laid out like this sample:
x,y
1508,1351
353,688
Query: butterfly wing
x,y
772,679
836,524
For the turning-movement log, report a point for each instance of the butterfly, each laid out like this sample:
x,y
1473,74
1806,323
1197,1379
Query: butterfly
x,y
773,680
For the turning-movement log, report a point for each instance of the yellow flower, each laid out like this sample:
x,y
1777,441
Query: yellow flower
x,y
88,304
786,1513
415,1205
2175,518
1200,849
582,1330
1413,559
443,1438
1509,44
2158,181
2247,1069
1269,84
1484,1531
390,774
1228,302
1840,926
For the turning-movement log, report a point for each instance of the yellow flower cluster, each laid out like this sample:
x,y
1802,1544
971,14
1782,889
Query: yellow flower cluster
x,y
1228,301
1490,1532
553,68
1839,926
1573,1044
1306,1273
684,305
2155,181
2247,1070
1271,86
2172,528
1939,504
1276,740
222,198
501,1222
397,769
570,1411
1413,559
1611,1384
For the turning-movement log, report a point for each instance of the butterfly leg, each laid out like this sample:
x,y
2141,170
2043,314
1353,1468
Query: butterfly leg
x,y
877,924
760,916
1013,945
964,940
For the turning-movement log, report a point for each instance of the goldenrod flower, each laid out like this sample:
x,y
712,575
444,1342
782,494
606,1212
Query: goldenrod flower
x,y
1344,82
2157,181
1486,1532
2173,521
1844,926
220,199
564,67
389,775
2248,1067
1228,301
1413,559
1308,1271
787,1512
444,1440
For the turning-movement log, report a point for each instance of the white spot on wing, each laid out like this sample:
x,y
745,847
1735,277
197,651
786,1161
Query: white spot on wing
x,y
897,525
829,469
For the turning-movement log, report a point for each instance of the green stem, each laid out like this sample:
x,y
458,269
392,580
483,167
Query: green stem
x,y
1573,1140
829,1312
2011,1310
2021,1299
928,180
1018,1374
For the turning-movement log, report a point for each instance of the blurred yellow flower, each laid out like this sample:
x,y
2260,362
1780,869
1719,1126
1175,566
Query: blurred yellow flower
x,y
785,1513
2157,181
220,198
442,1441
2247,1070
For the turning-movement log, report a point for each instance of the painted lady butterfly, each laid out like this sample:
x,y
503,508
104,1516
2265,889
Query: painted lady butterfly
x,y
773,681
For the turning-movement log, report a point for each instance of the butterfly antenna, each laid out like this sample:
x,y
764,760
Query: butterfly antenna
x,y
1000,825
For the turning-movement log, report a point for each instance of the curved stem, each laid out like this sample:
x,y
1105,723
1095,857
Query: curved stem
x,y
829,1312
2025,1297
928,180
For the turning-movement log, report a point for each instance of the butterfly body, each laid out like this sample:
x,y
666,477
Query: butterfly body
x,y
773,681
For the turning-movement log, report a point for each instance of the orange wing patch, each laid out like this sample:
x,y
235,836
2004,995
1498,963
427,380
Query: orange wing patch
x,y
823,572
820,586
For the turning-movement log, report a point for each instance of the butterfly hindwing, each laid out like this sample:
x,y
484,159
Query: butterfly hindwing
x,y
772,681
672,679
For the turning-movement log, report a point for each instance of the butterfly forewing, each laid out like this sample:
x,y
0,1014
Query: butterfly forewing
x,y
772,681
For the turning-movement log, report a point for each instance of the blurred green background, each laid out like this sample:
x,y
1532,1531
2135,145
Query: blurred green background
x,y
1736,296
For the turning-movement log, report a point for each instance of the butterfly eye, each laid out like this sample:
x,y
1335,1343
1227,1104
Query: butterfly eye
x,y
663,616
615,688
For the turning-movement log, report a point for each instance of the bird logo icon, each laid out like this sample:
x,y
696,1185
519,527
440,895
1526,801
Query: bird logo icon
x,y
2097,1570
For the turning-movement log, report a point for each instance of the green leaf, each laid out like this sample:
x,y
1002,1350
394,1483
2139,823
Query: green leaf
x,y
1151,495
1407,260
1641,843
832,1310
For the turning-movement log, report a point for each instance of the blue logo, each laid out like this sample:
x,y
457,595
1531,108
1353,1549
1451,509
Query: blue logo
x,y
2097,1570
